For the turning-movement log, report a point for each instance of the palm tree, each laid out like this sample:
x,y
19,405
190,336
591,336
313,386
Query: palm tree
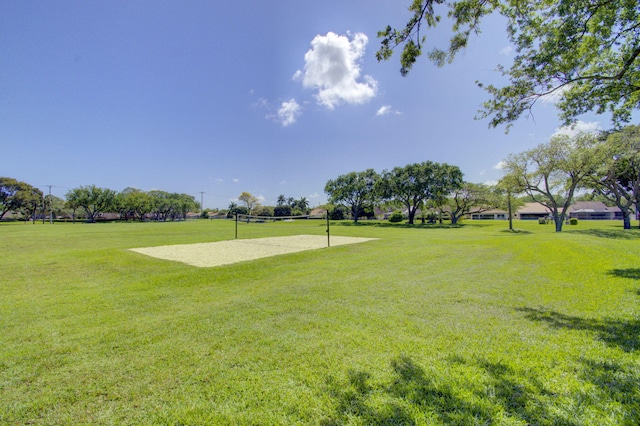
x,y
281,200
303,204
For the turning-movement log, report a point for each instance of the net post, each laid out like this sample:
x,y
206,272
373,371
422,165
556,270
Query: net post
x,y
328,233
236,226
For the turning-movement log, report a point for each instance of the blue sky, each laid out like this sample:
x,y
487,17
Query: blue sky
x,y
270,97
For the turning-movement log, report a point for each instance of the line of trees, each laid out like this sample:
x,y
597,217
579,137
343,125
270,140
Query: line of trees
x,y
606,164
19,197
91,202
286,206
412,186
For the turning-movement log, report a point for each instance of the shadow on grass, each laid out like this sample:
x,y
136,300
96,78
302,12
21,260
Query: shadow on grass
x,y
623,334
412,397
619,234
632,273
516,231
399,225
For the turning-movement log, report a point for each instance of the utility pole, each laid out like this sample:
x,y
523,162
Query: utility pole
x,y
50,206
201,201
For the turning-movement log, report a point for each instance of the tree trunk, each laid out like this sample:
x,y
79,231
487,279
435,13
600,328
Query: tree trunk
x,y
509,213
559,220
626,219
412,214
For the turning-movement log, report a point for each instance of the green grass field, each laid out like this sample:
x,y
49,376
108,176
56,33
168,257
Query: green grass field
x,y
427,325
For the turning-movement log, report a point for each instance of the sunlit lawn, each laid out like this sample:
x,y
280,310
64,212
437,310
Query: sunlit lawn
x,y
427,325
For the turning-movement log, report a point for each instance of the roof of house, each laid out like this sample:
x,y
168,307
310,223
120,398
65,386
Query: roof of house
x,y
533,208
317,212
592,206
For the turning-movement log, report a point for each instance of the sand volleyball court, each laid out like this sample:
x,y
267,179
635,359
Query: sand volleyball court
x,y
219,253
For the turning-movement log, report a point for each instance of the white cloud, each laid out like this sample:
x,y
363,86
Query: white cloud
x,y
499,166
235,180
288,113
332,67
314,195
579,127
506,51
555,96
385,110
284,182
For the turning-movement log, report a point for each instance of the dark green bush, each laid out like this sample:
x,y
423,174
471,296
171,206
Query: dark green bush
x,y
396,217
542,221
573,221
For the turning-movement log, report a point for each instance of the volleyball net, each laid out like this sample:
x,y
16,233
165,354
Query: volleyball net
x,y
250,226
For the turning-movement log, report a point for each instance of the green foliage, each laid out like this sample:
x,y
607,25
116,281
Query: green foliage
x,y
357,190
473,196
467,325
264,211
542,220
415,184
584,53
573,221
396,217
617,175
92,199
20,197
282,210
550,173
338,213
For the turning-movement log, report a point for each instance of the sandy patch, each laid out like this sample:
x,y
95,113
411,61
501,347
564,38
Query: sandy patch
x,y
232,251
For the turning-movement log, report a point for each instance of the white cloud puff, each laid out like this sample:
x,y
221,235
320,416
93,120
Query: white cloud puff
x,y
385,110
506,51
499,166
578,127
332,67
289,112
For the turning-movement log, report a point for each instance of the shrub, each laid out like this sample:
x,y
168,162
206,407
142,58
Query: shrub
x,y
542,221
396,217
573,221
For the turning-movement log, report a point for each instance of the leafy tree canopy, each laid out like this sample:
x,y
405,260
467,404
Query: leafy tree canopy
x,y
550,173
18,196
357,190
414,184
585,53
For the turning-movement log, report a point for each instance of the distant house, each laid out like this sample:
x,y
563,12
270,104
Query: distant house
x,y
318,212
533,211
217,215
494,214
594,210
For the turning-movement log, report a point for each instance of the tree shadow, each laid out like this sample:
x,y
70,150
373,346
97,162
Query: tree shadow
x,y
619,234
417,225
623,334
632,273
617,383
413,397
516,231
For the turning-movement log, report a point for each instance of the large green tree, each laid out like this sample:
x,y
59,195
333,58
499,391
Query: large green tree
x,y
586,53
355,190
415,184
617,175
92,199
18,196
249,200
550,173
134,204
472,196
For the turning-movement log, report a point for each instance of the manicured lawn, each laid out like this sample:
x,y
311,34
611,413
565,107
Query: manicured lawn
x,y
427,325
